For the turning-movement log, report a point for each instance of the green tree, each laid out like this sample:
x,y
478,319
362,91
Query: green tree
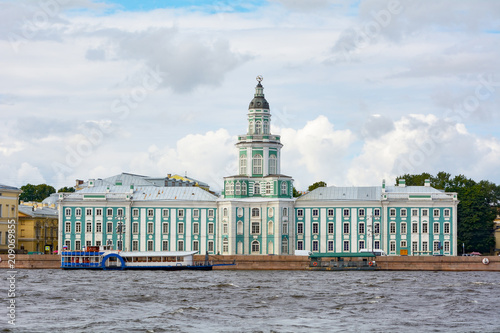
x,y
36,192
296,193
316,185
66,189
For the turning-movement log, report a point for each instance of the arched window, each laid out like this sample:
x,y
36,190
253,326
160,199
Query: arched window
x,y
273,165
224,212
244,189
266,127
284,246
243,164
225,246
237,190
250,127
270,229
256,188
239,228
258,127
284,188
257,165
269,188
255,247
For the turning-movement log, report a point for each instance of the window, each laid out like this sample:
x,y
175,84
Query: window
x,y
403,228
135,212
414,228
268,188
164,245
436,212
210,213
243,164
346,212
68,244
255,228
270,227
225,229
180,213
150,227
424,228
151,213
446,228
376,245
414,212
244,189
88,227
78,212
210,228
330,228
196,213
361,228
196,245
180,228
392,228
392,246
425,212
67,212
150,245
239,228
284,188
180,245
436,228
109,212
346,228
78,245
424,246
238,188
330,246
135,228
97,243
78,227
361,212
330,212
88,211
300,245
300,228
361,245
284,246
255,212
446,213
67,227
315,246
258,127
284,229
376,228
403,243
392,212
437,246
211,246
109,227
285,211
165,213
403,212
225,246
315,212
446,246
256,188
300,212
376,212
272,165
315,228
255,247
346,246
196,228
257,165
119,212
414,247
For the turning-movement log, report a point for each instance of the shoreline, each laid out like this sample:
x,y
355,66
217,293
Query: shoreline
x,y
291,262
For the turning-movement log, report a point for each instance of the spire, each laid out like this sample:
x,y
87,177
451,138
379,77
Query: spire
x,y
259,102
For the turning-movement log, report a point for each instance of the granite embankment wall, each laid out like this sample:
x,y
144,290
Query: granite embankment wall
x,y
423,263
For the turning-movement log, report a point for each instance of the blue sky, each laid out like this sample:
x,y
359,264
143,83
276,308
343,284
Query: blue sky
x,y
360,91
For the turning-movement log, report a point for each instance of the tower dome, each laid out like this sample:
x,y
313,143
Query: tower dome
x,y
259,101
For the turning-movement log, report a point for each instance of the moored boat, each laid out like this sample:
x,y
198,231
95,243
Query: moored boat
x,y
343,262
105,258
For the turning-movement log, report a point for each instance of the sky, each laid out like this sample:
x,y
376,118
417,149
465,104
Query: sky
x,y
360,91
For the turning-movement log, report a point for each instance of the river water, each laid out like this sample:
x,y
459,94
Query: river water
x,y
254,301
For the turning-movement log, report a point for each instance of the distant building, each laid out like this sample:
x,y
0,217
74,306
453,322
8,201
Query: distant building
x,y
37,228
257,213
497,233
9,199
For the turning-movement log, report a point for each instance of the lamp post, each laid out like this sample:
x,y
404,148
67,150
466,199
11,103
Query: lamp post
x,y
119,230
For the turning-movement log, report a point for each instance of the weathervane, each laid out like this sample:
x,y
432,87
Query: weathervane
x,y
259,78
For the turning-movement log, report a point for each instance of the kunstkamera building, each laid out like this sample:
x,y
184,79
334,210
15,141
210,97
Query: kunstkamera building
x,y
256,213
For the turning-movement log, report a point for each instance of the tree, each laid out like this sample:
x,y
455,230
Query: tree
x,y
66,189
316,185
296,193
36,192
476,210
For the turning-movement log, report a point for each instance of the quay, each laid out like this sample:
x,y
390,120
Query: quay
x,y
290,262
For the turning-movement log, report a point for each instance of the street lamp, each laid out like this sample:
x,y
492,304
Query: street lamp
x,y
119,231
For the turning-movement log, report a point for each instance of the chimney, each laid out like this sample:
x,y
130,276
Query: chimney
x,y
427,183
383,185
91,182
402,183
